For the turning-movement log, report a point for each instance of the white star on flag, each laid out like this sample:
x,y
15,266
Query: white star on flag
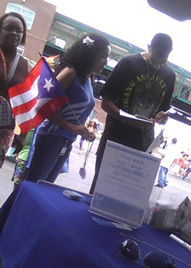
x,y
48,84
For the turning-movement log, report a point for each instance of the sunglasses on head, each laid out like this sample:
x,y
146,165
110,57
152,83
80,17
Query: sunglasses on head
x,y
156,259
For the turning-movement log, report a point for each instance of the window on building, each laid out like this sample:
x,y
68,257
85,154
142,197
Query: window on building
x,y
111,63
60,42
26,12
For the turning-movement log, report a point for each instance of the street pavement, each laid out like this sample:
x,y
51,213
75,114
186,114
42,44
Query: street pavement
x,y
177,188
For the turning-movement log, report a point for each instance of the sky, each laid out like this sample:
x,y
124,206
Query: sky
x,y
136,22
133,21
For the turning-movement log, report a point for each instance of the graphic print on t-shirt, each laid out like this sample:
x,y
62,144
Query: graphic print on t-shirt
x,y
140,100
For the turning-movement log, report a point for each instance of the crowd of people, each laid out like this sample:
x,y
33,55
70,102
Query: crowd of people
x,y
141,84
178,163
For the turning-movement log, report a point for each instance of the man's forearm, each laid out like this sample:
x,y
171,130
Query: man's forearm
x,y
110,108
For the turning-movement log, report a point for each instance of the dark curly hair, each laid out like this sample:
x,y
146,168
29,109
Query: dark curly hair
x,y
17,15
81,56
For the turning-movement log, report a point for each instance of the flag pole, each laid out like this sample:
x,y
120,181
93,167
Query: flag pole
x,y
76,117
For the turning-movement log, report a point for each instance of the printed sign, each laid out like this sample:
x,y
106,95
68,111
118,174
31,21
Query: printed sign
x,y
124,184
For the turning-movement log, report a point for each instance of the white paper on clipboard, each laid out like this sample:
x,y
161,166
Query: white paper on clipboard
x,y
135,117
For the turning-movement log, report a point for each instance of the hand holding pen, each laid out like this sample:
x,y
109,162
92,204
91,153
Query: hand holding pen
x,y
161,117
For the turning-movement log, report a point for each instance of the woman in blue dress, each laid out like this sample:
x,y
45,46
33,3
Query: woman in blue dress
x,y
57,133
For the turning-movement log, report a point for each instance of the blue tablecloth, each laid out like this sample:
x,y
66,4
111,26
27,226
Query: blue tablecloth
x,y
41,228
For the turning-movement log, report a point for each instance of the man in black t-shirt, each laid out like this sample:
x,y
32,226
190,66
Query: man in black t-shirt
x,y
140,84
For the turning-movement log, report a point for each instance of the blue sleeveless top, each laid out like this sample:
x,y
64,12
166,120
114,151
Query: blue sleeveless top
x,y
81,100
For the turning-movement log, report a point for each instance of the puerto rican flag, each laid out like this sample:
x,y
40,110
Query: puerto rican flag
x,y
37,97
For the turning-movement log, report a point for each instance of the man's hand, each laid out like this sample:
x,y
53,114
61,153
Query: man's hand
x,y
161,117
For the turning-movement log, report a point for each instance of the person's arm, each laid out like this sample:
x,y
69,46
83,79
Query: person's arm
x,y
162,116
110,107
113,89
66,77
78,130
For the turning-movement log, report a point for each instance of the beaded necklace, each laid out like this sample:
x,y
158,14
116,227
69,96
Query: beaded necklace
x,y
148,83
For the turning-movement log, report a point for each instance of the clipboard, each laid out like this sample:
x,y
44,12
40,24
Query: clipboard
x,y
135,117
156,142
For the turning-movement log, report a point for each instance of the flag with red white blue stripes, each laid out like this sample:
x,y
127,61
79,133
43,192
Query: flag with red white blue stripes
x,y
37,97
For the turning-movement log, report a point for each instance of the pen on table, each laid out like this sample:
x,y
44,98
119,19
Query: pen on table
x,y
180,241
